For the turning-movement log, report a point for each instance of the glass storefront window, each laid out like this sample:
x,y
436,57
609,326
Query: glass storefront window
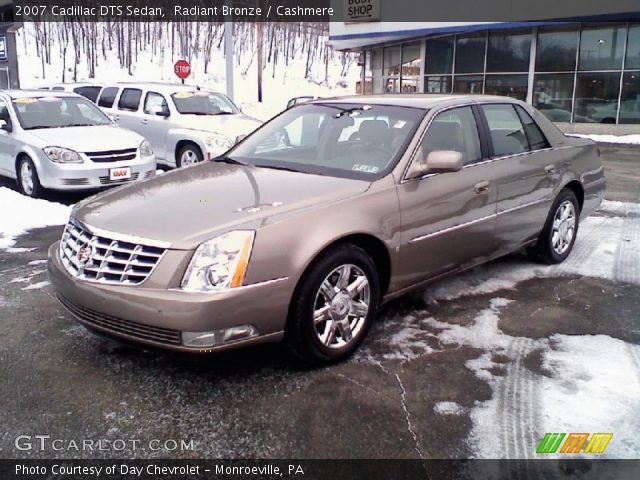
x,y
410,72
601,48
633,48
468,84
470,50
508,52
630,100
439,55
507,86
596,97
391,61
556,50
376,70
437,84
553,96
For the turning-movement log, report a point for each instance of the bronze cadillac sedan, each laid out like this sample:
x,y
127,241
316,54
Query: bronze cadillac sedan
x,y
301,231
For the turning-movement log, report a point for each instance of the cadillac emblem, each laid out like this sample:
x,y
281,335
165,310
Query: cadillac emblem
x,y
84,255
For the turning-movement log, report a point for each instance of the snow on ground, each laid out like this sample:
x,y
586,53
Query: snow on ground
x,y
633,139
448,408
20,213
280,84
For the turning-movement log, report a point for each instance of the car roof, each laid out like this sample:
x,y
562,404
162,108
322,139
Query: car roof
x,y
38,93
416,100
160,87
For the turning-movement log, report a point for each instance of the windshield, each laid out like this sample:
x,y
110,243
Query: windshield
x,y
57,112
202,102
345,140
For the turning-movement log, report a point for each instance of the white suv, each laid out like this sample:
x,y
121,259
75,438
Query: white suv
x,y
184,124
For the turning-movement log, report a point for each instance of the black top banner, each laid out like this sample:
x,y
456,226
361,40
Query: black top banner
x,y
347,11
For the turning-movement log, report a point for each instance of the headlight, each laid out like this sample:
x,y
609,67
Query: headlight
x,y
145,149
218,142
62,155
219,263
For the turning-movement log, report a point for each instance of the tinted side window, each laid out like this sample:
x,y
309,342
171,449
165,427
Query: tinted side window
x,y
507,134
88,92
107,97
455,130
536,138
154,103
130,99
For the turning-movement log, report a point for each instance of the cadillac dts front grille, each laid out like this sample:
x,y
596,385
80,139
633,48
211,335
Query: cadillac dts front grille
x,y
112,155
102,259
120,326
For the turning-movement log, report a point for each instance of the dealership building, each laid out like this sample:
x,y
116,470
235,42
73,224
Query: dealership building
x,y
583,75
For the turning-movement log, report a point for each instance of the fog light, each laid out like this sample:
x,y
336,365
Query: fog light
x,y
218,337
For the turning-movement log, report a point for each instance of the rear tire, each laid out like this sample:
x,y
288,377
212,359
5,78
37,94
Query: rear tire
x,y
27,178
559,233
333,306
188,154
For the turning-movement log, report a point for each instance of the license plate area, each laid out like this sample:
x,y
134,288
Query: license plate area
x,y
122,173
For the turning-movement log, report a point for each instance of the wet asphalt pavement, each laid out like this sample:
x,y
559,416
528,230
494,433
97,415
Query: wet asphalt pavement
x,y
60,380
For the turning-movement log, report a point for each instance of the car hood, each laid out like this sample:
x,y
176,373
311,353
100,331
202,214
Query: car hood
x,y
88,139
229,125
190,205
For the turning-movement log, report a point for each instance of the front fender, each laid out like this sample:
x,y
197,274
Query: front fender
x,y
176,135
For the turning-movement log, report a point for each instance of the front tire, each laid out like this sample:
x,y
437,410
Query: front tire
x,y
188,155
27,178
559,233
333,306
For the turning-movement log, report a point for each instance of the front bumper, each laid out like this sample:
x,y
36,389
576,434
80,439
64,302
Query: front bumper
x,y
157,317
90,175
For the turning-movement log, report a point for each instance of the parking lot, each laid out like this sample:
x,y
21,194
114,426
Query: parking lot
x,y
479,365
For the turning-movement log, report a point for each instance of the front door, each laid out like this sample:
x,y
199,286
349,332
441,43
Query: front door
x,y
448,219
155,125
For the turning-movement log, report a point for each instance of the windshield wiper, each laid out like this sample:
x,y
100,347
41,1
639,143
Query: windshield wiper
x,y
229,160
275,167
81,124
37,127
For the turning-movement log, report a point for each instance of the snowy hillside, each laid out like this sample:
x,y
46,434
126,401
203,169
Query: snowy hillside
x,y
307,67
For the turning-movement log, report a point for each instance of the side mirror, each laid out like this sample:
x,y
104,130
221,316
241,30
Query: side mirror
x,y
240,137
163,112
5,126
438,161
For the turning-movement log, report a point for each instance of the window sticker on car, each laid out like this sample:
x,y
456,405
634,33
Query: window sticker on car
x,y
25,100
183,95
399,124
365,168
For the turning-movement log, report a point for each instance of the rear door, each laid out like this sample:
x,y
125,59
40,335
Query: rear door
x,y
128,105
448,219
526,173
106,100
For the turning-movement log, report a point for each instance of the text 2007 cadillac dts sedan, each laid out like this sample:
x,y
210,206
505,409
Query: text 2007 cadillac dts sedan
x,y
303,229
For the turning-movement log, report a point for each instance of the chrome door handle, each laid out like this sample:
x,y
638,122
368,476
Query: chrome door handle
x,y
145,121
550,169
481,187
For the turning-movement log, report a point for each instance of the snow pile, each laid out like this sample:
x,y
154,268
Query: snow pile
x,y
633,139
448,408
20,213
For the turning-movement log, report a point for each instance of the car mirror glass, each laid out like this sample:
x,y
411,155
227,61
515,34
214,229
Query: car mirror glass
x,y
5,126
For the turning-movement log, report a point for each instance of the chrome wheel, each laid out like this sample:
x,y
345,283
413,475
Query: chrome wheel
x,y
341,306
188,157
563,227
26,178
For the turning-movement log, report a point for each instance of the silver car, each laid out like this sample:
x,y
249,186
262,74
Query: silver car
x,y
62,141
184,124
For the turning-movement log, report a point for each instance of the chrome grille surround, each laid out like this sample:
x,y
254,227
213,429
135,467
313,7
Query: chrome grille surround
x,y
112,155
103,259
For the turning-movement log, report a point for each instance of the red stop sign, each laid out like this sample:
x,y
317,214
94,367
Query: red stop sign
x,y
182,69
